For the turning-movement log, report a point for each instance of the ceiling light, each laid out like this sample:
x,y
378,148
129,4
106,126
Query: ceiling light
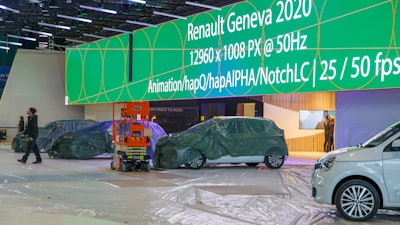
x,y
138,1
202,5
94,36
37,32
9,9
98,9
54,25
116,30
6,48
141,23
21,37
11,43
169,15
74,18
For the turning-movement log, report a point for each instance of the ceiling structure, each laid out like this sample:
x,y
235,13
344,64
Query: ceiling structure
x,y
58,19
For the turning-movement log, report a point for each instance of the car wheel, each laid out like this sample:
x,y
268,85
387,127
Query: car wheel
x,y
124,167
112,165
357,200
197,161
252,164
274,160
147,167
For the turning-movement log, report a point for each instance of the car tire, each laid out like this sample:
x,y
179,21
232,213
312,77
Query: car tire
x,y
274,160
124,167
197,161
147,167
357,200
112,165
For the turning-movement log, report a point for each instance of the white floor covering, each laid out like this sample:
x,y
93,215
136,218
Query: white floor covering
x,y
75,192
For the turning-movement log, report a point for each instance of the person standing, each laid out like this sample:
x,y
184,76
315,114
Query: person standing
x,y
326,131
21,124
32,131
331,133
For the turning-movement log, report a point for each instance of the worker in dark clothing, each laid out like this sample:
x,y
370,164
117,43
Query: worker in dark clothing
x,y
32,131
331,132
21,124
326,132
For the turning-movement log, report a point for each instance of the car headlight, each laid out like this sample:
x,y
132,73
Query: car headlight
x,y
326,163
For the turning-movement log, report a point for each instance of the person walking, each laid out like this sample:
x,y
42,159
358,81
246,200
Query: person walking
x,y
32,131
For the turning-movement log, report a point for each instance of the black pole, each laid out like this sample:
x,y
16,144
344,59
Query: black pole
x,y
130,56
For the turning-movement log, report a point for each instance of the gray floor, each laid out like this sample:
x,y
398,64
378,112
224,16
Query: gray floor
x,y
88,192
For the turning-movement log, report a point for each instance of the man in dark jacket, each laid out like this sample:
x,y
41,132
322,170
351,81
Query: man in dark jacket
x,y
32,131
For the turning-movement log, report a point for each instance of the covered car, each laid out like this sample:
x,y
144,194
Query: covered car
x,y
93,141
234,139
19,144
85,143
57,128
49,133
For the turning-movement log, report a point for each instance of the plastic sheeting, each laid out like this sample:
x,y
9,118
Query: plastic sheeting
x,y
58,128
214,195
157,133
19,144
222,136
79,139
84,143
50,132
93,141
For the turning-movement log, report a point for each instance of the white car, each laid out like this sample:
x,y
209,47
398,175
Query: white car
x,y
360,180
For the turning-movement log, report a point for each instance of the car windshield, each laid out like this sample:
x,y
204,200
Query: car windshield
x,y
382,136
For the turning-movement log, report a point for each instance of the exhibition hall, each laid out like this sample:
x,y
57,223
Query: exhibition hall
x,y
281,112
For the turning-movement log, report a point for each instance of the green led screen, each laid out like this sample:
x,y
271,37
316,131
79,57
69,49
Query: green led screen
x,y
254,47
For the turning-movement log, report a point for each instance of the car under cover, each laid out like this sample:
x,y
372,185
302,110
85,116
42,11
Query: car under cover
x,y
51,132
217,137
95,140
79,139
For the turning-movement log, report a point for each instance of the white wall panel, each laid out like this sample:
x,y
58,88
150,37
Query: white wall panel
x,y
287,120
98,112
362,114
36,80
